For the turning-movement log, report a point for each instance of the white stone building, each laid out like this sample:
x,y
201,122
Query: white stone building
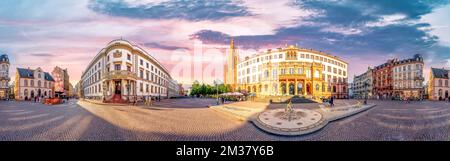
x,y
408,78
363,85
439,85
30,84
4,76
294,71
123,72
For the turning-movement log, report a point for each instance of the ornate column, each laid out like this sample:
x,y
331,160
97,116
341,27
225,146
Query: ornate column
x,y
296,87
279,88
304,88
287,87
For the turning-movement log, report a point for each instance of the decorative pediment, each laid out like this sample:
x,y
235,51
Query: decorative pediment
x,y
117,54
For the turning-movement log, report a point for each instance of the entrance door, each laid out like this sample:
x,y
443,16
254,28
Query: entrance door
x,y
308,89
291,89
300,88
32,94
118,87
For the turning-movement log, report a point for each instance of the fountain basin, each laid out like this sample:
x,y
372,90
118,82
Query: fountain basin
x,y
302,121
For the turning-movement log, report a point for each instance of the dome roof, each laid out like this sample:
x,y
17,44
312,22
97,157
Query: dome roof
x,y
4,58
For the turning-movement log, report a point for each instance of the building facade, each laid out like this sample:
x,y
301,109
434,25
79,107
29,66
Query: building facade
x,y
4,76
122,72
62,84
438,85
363,85
30,84
408,78
173,89
293,71
382,80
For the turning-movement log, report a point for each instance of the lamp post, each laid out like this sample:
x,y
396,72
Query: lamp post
x,y
367,92
216,83
217,92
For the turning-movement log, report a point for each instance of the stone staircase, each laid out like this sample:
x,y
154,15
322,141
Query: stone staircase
x,y
284,99
117,98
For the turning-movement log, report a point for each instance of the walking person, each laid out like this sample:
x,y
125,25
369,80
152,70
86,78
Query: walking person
x,y
150,103
332,101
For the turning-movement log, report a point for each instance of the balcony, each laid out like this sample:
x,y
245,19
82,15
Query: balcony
x,y
119,74
419,78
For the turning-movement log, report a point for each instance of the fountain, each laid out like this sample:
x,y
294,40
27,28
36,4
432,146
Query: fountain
x,y
290,121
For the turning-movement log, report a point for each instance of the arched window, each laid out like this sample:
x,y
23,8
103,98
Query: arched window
x,y
25,92
317,87
317,74
25,82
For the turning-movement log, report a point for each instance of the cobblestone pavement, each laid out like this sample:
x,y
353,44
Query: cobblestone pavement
x,y
190,119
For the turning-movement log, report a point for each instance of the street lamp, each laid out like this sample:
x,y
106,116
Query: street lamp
x,y
367,92
216,83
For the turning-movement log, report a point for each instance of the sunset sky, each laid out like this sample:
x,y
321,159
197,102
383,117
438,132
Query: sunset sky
x,y
69,33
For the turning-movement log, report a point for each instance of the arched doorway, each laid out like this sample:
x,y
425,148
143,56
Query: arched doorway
x,y
291,89
308,89
300,88
25,93
32,94
283,88
334,89
118,87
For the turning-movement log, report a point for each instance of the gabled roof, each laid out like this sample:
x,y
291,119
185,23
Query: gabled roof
x,y
29,73
25,73
440,73
48,77
4,58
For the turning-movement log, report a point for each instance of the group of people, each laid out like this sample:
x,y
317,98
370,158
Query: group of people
x,y
35,98
148,100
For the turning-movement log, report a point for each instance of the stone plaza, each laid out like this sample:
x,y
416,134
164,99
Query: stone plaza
x,y
191,119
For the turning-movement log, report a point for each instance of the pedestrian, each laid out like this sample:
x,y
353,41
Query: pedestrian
x,y
332,101
150,103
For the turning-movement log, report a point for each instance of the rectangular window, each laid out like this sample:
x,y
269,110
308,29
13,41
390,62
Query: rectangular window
x,y
141,62
128,57
141,74
117,67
